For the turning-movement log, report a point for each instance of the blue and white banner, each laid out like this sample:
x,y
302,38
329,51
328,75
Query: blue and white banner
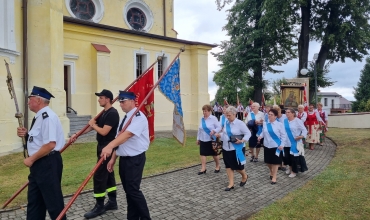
x,y
170,88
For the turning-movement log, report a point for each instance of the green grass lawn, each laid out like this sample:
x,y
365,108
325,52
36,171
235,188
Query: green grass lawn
x,y
163,155
341,191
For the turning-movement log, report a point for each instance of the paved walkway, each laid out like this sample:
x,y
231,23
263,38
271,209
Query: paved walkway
x,y
185,195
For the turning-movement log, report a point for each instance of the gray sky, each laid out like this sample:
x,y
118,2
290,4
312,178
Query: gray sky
x,y
199,20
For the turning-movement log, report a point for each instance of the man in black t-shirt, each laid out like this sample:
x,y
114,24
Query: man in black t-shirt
x,y
106,129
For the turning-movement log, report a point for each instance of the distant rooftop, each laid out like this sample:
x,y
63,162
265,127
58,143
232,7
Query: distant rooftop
x,y
344,101
328,94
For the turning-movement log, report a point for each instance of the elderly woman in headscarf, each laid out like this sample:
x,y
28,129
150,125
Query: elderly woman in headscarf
x,y
208,126
234,136
293,148
274,135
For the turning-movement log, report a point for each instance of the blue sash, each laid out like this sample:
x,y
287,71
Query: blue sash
x,y
275,138
223,119
259,126
266,118
204,126
238,147
293,147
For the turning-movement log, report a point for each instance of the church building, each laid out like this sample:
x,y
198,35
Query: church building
x,y
75,48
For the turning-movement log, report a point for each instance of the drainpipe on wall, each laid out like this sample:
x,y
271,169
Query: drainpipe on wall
x,y
164,18
25,62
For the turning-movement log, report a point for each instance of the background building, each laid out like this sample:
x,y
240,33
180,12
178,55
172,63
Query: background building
x,y
74,48
332,102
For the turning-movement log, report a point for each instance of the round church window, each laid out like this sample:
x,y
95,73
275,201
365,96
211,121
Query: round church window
x,y
83,9
136,18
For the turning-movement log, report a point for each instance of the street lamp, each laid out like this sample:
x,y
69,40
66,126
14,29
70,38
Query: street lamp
x,y
304,72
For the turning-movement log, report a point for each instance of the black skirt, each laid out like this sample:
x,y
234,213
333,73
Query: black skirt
x,y
230,160
253,141
286,157
270,157
206,149
298,163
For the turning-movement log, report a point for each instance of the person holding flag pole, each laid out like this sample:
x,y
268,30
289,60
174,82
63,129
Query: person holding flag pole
x,y
137,210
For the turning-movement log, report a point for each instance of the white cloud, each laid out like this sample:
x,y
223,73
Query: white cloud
x,y
201,21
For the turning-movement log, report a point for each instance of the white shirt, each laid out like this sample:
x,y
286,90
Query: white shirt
x,y
212,124
282,118
325,115
278,129
138,143
240,108
237,127
215,108
47,128
304,116
298,129
247,109
258,116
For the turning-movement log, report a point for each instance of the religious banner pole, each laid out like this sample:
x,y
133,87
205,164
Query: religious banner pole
x,y
77,193
79,133
18,114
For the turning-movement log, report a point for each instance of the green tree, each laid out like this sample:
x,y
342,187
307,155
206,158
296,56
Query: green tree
x,y
362,91
251,48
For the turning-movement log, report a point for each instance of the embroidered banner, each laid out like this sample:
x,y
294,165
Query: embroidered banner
x,y
170,88
141,88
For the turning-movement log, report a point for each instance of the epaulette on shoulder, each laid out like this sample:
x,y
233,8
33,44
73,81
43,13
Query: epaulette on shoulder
x,y
45,115
137,114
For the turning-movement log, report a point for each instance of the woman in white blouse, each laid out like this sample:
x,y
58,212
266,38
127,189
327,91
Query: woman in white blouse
x,y
302,115
234,152
274,136
296,131
208,126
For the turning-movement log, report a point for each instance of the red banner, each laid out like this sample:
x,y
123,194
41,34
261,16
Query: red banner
x,y
141,89
305,99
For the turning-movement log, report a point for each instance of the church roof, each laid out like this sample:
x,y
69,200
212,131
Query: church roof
x,y
122,30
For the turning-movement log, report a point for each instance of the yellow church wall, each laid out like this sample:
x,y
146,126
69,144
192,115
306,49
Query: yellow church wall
x,y
113,15
121,71
9,141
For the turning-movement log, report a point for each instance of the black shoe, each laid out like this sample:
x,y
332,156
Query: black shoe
x,y
228,189
217,171
273,183
110,205
283,169
96,211
252,159
255,160
202,172
243,183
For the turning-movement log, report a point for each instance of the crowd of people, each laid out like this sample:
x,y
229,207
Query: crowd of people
x,y
282,133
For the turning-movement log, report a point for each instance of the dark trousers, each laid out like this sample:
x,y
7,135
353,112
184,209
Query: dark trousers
x,y
44,188
103,180
240,115
131,172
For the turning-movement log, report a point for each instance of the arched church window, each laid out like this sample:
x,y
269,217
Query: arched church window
x,y
83,9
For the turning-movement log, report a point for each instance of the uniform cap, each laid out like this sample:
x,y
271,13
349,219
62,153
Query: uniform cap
x,y
42,92
126,95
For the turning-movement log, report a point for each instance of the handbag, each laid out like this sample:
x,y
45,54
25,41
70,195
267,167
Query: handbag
x,y
234,137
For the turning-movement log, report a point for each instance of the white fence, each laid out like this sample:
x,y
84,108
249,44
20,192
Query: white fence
x,y
350,120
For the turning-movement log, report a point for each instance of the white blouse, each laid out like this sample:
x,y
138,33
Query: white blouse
x,y
278,129
212,124
237,127
298,129
304,116
282,118
258,116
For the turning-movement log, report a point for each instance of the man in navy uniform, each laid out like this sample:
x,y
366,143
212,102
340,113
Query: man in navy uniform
x,y
44,141
133,143
106,128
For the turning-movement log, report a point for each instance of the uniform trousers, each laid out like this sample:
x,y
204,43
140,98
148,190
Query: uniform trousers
x,y
44,188
131,172
240,116
103,179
